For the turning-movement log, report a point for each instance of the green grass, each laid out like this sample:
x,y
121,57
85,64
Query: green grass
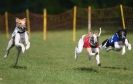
x,y
52,62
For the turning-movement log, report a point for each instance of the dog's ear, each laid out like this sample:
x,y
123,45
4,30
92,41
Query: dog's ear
x,y
17,19
24,19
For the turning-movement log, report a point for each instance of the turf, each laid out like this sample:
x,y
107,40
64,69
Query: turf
x,y
52,62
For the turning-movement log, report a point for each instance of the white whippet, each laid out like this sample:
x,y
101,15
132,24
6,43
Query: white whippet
x,y
19,38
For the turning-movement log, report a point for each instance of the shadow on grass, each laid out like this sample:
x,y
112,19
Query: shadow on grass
x,y
86,69
112,67
19,67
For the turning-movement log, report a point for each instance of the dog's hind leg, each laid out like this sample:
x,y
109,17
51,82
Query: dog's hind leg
x,y
79,48
103,45
10,45
27,41
19,50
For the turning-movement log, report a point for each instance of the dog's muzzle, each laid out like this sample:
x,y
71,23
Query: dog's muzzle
x,y
22,29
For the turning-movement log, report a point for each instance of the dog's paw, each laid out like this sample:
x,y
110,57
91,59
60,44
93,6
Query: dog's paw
x,y
129,47
123,53
109,48
5,56
27,47
23,49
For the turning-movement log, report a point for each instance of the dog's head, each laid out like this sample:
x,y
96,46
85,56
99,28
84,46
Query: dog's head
x,y
94,41
122,34
94,38
21,23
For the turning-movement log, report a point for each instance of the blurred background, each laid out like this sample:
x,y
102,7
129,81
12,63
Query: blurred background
x,y
60,13
56,6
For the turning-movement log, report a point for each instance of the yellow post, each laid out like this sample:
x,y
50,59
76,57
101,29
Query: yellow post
x,y
6,24
74,23
89,18
44,24
28,21
122,16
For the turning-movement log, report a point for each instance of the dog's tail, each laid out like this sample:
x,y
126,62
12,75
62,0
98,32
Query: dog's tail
x,y
83,36
99,32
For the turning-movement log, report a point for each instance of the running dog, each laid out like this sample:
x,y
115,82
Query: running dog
x,y
91,43
117,42
19,38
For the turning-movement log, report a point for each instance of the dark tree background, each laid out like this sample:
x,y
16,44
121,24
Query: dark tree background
x,y
56,6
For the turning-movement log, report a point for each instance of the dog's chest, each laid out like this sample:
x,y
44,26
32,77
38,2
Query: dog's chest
x,y
93,50
22,38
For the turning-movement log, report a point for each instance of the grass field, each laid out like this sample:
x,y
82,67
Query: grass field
x,y
52,62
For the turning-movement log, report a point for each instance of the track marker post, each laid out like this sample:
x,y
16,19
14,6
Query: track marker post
x,y
28,21
89,18
6,24
122,16
74,23
44,24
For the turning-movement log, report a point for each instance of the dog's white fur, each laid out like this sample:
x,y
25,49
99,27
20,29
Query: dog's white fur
x,y
91,51
19,40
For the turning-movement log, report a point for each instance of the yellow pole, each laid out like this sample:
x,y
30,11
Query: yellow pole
x,y
89,18
122,16
44,24
28,21
74,23
6,24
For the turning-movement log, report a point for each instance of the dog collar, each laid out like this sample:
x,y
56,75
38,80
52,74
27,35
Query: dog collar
x,y
21,32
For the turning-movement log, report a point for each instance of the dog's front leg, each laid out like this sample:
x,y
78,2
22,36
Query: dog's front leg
x,y
27,41
123,50
128,45
17,43
98,57
10,45
120,47
117,46
90,52
98,60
